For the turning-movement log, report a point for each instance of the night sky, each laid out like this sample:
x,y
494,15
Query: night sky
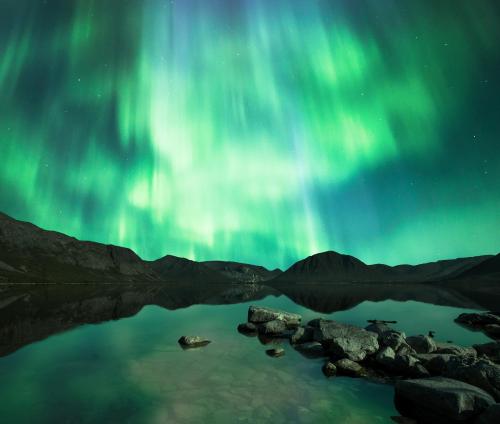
x,y
255,130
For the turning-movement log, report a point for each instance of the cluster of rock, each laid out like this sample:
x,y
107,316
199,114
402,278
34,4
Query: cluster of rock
x,y
488,323
434,382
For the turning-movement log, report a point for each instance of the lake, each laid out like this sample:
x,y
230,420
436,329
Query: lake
x,y
78,353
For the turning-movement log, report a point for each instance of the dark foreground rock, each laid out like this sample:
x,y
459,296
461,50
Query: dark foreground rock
x,y
490,350
193,341
490,416
488,322
248,328
440,400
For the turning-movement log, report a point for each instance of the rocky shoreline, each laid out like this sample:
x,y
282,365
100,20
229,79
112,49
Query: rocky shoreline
x,y
435,382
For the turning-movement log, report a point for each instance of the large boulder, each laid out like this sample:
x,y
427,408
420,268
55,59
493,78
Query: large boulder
x,y
260,314
490,350
345,341
435,363
490,416
422,344
478,320
440,400
478,372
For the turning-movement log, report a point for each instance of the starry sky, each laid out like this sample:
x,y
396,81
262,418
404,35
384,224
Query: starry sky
x,y
255,130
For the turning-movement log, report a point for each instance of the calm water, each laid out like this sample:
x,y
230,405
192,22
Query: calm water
x,y
132,369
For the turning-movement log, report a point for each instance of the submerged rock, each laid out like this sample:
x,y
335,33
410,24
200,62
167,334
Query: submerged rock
x,y
440,400
302,335
422,344
276,352
345,341
259,314
193,341
247,328
329,369
311,349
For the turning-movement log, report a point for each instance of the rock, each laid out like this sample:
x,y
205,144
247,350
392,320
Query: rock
x,y
276,352
478,320
386,357
345,341
490,416
378,328
452,349
478,372
392,338
492,330
491,350
435,363
258,315
247,328
406,349
409,366
329,369
311,349
421,344
302,335
350,368
440,400
403,420
275,327
193,341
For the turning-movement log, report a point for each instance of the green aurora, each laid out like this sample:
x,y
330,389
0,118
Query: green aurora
x,y
258,131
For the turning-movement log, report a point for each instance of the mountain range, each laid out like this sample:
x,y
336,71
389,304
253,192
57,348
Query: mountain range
x,y
30,254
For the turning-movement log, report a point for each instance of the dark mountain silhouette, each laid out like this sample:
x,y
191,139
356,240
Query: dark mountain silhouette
x,y
335,267
242,272
31,254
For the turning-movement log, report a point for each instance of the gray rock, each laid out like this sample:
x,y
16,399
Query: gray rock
x,y
422,344
275,327
408,365
378,328
193,341
345,341
452,349
302,335
259,314
435,363
492,330
329,369
392,338
406,349
440,400
247,328
311,349
276,352
491,350
478,372
350,368
478,320
386,357
490,416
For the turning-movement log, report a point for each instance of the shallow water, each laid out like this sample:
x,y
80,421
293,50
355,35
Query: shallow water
x,y
133,370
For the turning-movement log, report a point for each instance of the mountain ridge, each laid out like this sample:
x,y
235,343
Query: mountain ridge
x,y
31,254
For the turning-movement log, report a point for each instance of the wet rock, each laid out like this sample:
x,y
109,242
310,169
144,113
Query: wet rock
x,y
392,338
490,416
311,349
302,335
440,400
276,352
452,349
247,328
274,327
345,341
491,350
478,320
350,368
386,357
422,344
378,328
193,341
259,314
481,373
329,369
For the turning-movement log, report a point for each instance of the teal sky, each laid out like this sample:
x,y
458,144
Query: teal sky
x,y
258,131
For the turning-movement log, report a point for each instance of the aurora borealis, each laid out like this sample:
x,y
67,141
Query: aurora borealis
x,y
257,131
